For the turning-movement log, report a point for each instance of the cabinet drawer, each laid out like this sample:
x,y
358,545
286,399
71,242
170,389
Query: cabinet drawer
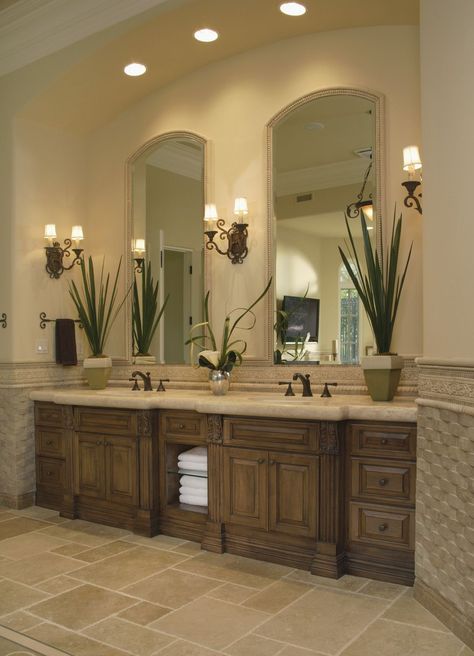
x,y
391,441
50,442
186,424
382,526
97,420
265,433
48,414
50,472
385,481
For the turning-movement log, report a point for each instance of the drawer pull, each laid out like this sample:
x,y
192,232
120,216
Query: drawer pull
x,y
383,440
49,443
261,461
272,462
383,527
49,473
106,443
382,482
181,426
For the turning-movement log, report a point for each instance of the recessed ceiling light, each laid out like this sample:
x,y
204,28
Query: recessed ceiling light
x,y
134,69
206,35
293,8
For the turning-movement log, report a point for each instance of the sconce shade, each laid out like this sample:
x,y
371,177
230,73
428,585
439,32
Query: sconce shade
x,y
139,246
77,233
210,212
411,159
368,211
50,231
241,209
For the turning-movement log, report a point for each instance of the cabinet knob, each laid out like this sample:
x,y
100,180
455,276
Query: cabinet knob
x,y
383,440
383,481
272,462
181,426
49,443
106,443
261,461
49,473
383,527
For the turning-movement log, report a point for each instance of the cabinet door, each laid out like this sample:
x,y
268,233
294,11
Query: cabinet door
x,y
90,465
121,470
293,486
246,487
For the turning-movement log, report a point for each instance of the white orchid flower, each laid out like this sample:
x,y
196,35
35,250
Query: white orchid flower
x,y
211,356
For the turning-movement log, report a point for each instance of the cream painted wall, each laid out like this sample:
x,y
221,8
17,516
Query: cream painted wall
x,y
229,103
448,138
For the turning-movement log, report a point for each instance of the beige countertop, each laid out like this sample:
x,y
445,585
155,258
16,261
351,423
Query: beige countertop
x,y
256,404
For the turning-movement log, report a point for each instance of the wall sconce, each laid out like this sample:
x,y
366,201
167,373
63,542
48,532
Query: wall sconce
x,y
139,251
412,163
55,254
236,235
367,206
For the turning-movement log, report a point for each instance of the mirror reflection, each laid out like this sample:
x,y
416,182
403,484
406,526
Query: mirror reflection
x,y
167,209
322,168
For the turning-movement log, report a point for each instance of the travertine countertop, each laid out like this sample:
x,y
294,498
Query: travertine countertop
x,y
256,404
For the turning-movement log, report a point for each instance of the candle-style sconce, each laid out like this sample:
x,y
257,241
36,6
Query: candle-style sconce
x,y
412,164
55,253
236,235
3,320
139,255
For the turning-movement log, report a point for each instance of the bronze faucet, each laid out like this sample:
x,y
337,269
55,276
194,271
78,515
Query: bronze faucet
x,y
306,384
146,380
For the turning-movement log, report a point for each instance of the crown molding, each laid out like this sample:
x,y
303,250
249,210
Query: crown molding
x,y
178,158
325,176
32,29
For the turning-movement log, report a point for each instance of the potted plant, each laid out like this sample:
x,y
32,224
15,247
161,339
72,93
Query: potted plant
x,y
97,308
222,359
379,286
283,318
146,314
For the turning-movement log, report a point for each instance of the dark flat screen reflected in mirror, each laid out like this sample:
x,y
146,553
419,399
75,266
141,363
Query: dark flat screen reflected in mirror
x,y
322,153
167,208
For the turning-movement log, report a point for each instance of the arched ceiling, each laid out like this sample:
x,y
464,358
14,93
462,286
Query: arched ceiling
x,y
95,89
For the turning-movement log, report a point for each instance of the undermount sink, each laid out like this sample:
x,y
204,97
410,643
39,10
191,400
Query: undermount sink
x,y
120,391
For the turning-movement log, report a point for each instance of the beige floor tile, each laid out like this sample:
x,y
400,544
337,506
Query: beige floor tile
x,y
71,549
99,530
107,550
406,609
234,569
63,532
144,613
37,512
72,643
277,596
38,568
158,541
210,623
82,606
189,548
18,548
58,585
299,651
381,589
347,582
19,621
323,620
232,593
6,514
465,651
18,525
391,639
14,596
253,645
172,588
8,647
136,639
184,648
128,567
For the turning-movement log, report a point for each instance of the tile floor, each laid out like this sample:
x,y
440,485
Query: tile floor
x,y
90,590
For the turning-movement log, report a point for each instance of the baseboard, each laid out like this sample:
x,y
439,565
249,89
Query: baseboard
x,y
444,610
17,502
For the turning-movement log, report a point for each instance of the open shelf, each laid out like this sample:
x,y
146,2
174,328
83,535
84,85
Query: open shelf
x,y
194,475
202,510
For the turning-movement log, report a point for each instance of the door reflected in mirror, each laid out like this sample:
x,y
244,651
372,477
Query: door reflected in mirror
x,y
323,154
167,209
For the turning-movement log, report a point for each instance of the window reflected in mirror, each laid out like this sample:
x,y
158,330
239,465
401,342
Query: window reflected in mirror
x,y
323,154
167,209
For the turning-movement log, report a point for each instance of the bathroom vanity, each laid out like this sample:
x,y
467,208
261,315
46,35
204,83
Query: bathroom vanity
x,y
326,485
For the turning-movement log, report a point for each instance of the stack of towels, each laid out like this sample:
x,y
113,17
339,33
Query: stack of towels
x,y
192,465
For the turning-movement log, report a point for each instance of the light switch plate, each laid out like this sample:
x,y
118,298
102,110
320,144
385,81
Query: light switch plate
x,y
41,346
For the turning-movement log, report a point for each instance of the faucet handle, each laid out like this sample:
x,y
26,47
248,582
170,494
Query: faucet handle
x,y
135,387
289,389
161,387
326,393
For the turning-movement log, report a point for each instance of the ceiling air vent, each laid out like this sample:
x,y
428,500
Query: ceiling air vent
x,y
303,198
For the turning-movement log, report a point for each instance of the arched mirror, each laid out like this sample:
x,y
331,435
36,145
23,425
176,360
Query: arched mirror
x,y
167,197
325,161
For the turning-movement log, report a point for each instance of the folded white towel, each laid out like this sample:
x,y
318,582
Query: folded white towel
x,y
192,491
195,482
192,468
193,500
198,453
